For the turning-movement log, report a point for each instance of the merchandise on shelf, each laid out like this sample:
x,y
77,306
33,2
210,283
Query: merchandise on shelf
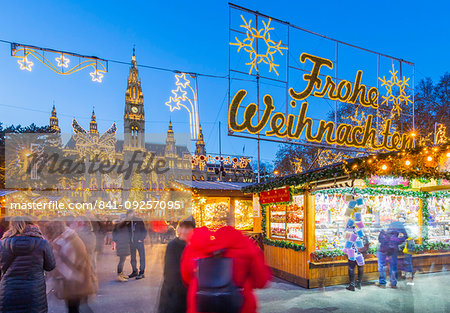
x,y
439,221
286,221
372,212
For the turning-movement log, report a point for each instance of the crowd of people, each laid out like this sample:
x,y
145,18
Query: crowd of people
x,y
59,257
204,270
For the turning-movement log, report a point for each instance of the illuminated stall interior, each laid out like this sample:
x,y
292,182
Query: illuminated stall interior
x,y
215,204
304,216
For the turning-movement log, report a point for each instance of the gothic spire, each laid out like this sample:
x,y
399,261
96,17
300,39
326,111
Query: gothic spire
x,y
93,124
54,120
170,149
200,144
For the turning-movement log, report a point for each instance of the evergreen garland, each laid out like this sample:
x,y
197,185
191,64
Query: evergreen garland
x,y
321,254
364,167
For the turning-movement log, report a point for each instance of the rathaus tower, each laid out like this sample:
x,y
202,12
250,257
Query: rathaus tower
x,y
134,121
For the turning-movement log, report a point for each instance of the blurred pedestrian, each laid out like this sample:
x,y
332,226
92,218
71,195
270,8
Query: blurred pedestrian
x,y
98,226
121,237
73,279
408,251
173,292
390,240
83,227
109,226
138,232
24,256
353,264
221,269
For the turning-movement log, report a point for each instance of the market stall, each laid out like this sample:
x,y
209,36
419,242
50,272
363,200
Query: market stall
x,y
306,217
219,203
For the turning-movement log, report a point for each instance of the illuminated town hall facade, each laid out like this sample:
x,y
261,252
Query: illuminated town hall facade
x,y
181,164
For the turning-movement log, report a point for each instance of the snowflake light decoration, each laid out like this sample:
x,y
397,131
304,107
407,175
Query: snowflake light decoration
x,y
390,98
250,42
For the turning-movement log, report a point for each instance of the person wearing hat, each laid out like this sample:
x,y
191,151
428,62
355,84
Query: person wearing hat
x,y
121,236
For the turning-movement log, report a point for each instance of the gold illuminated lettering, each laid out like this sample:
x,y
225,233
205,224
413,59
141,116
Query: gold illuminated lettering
x,y
313,77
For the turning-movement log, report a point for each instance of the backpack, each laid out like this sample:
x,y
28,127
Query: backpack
x,y
217,291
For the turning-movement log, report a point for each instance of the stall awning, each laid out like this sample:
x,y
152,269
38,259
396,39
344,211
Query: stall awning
x,y
213,188
417,163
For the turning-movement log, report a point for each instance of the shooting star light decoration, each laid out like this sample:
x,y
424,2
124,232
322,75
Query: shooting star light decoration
x,y
180,100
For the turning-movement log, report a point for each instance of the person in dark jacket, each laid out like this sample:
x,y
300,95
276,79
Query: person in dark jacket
x,y
121,237
24,256
138,232
388,252
173,295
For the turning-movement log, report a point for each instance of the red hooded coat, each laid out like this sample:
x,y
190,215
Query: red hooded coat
x,y
249,269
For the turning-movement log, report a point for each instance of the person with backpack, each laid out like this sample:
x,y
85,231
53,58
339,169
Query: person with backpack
x,y
121,237
24,256
221,268
173,292
389,240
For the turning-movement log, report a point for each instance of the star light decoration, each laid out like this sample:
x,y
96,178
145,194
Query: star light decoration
x,y
25,64
390,98
61,66
96,76
180,100
62,61
250,42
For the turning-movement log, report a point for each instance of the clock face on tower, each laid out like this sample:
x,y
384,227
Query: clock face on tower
x,y
134,110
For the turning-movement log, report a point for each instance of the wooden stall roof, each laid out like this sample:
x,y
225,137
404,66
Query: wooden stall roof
x,y
214,188
363,167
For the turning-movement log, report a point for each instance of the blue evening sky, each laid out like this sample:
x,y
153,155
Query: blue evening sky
x,y
189,36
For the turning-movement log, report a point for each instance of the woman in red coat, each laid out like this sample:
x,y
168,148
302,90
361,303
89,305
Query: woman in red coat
x,y
249,269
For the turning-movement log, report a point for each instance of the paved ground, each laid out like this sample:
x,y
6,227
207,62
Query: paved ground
x,y
431,293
